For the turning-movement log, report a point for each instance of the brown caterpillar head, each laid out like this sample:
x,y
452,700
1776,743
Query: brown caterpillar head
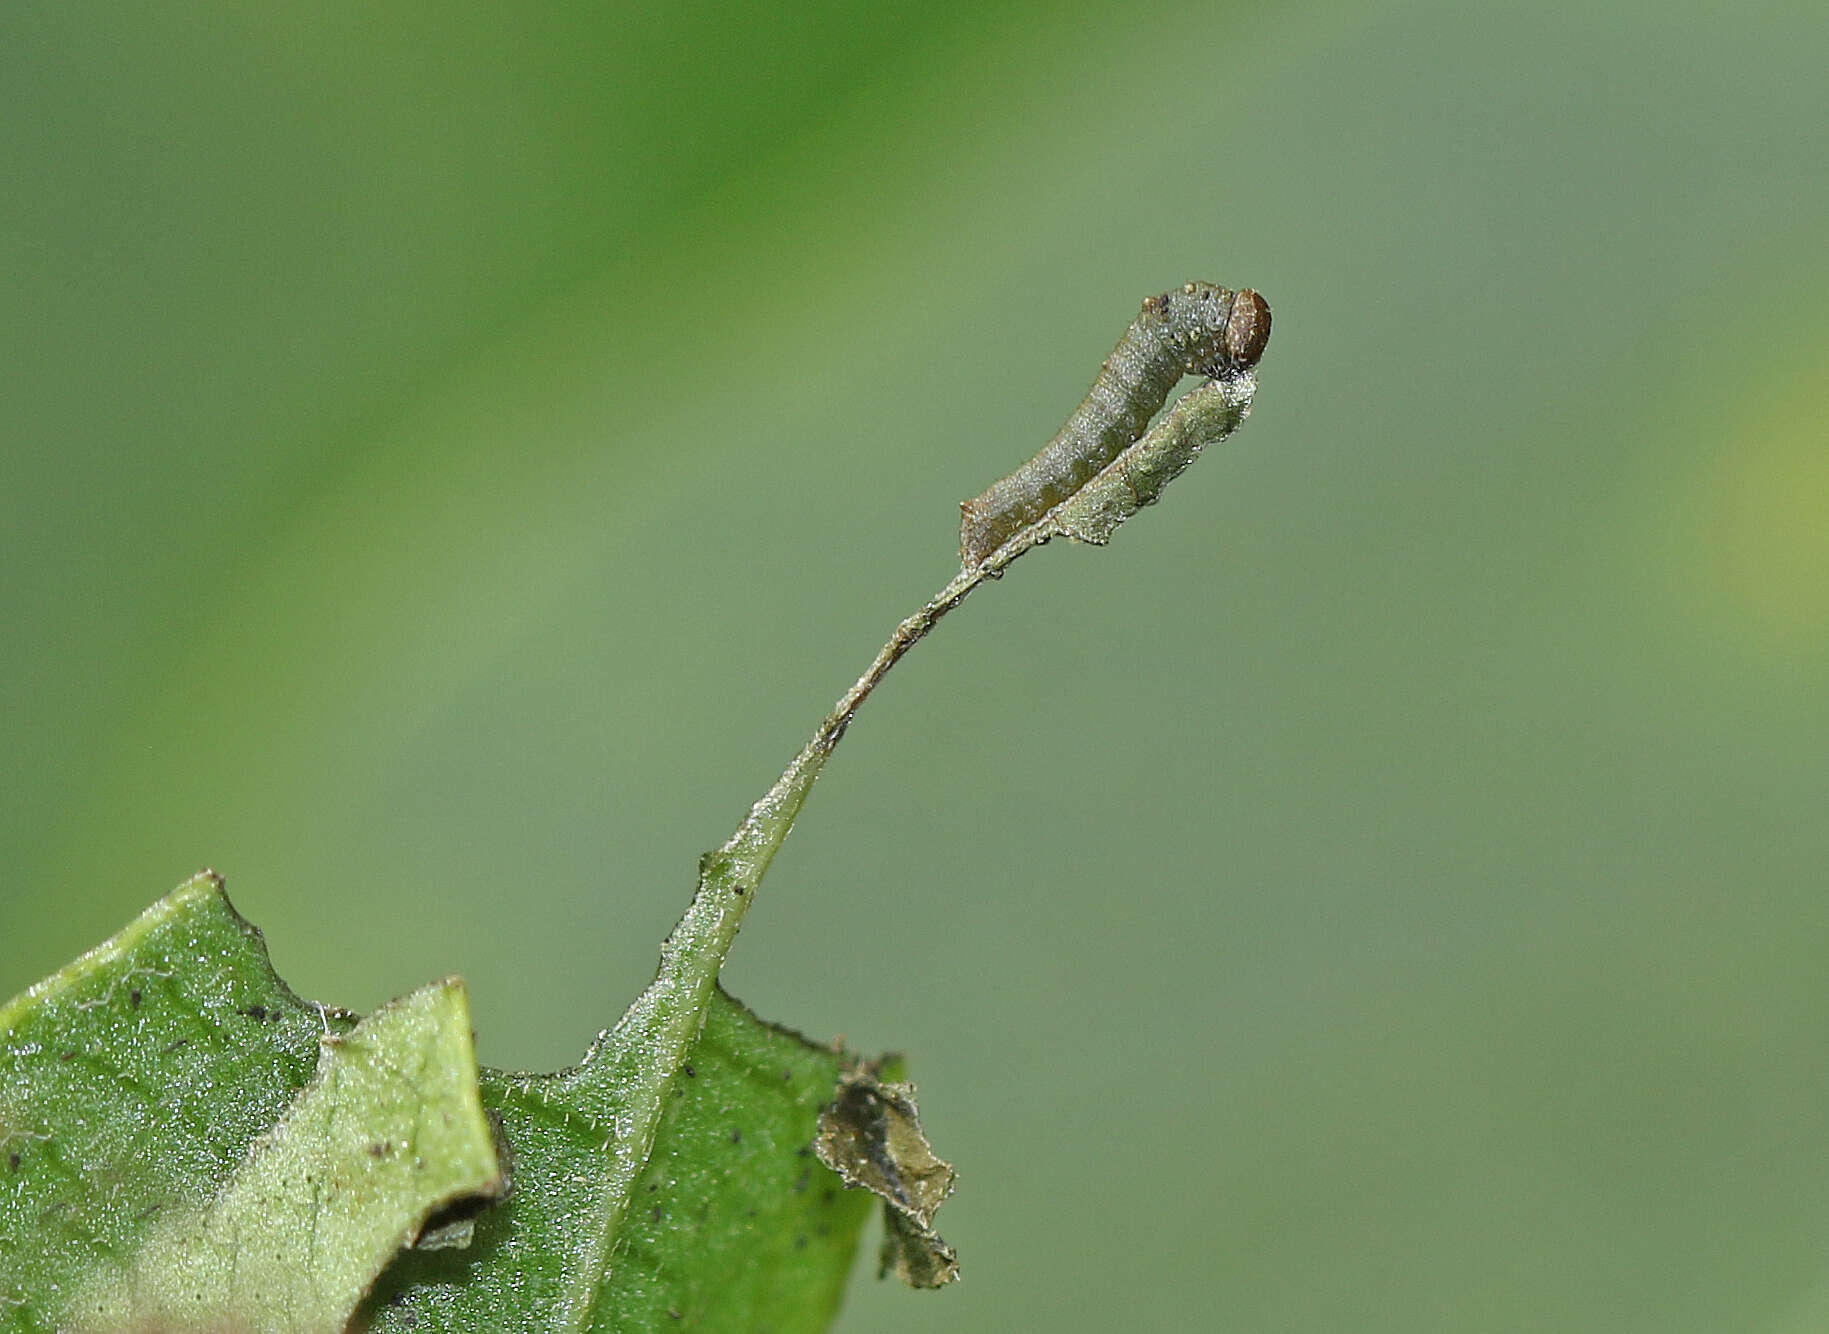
x,y
1247,329
1209,330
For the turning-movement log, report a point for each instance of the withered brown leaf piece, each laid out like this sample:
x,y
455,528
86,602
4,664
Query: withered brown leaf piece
x,y
870,1134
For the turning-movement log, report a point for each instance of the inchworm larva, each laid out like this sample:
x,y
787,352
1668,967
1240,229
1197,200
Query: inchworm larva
x,y
1199,330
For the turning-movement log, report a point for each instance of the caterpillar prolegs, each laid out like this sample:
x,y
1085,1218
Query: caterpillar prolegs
x,y
1199,330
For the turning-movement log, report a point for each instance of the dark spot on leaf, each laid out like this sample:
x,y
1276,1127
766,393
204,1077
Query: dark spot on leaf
x,y
654,1214
66,1056
12,1162
736,1136
804,1151
800,1242
691,1073
171,1047
379,1149
738,890
653,1186
803,1180
258,1013
133,999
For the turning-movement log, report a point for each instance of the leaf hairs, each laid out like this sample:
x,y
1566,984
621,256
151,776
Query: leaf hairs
x,y
1200,329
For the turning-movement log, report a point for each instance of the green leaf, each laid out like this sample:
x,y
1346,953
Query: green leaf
x,y
731,1223
389,1131
667,1182
162,1136
165,1171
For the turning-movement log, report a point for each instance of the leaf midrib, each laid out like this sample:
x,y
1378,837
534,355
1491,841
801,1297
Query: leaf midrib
x,y
658,1032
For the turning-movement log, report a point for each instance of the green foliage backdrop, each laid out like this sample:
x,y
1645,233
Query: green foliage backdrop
x,y
453,455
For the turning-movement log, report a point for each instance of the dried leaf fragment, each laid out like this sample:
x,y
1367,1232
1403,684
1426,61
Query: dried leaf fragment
x,y
870,1134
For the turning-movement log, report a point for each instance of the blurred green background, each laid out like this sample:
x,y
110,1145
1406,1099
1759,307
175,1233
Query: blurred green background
x,y
454,454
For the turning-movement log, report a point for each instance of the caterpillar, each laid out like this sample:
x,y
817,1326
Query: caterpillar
x,y
1199,330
